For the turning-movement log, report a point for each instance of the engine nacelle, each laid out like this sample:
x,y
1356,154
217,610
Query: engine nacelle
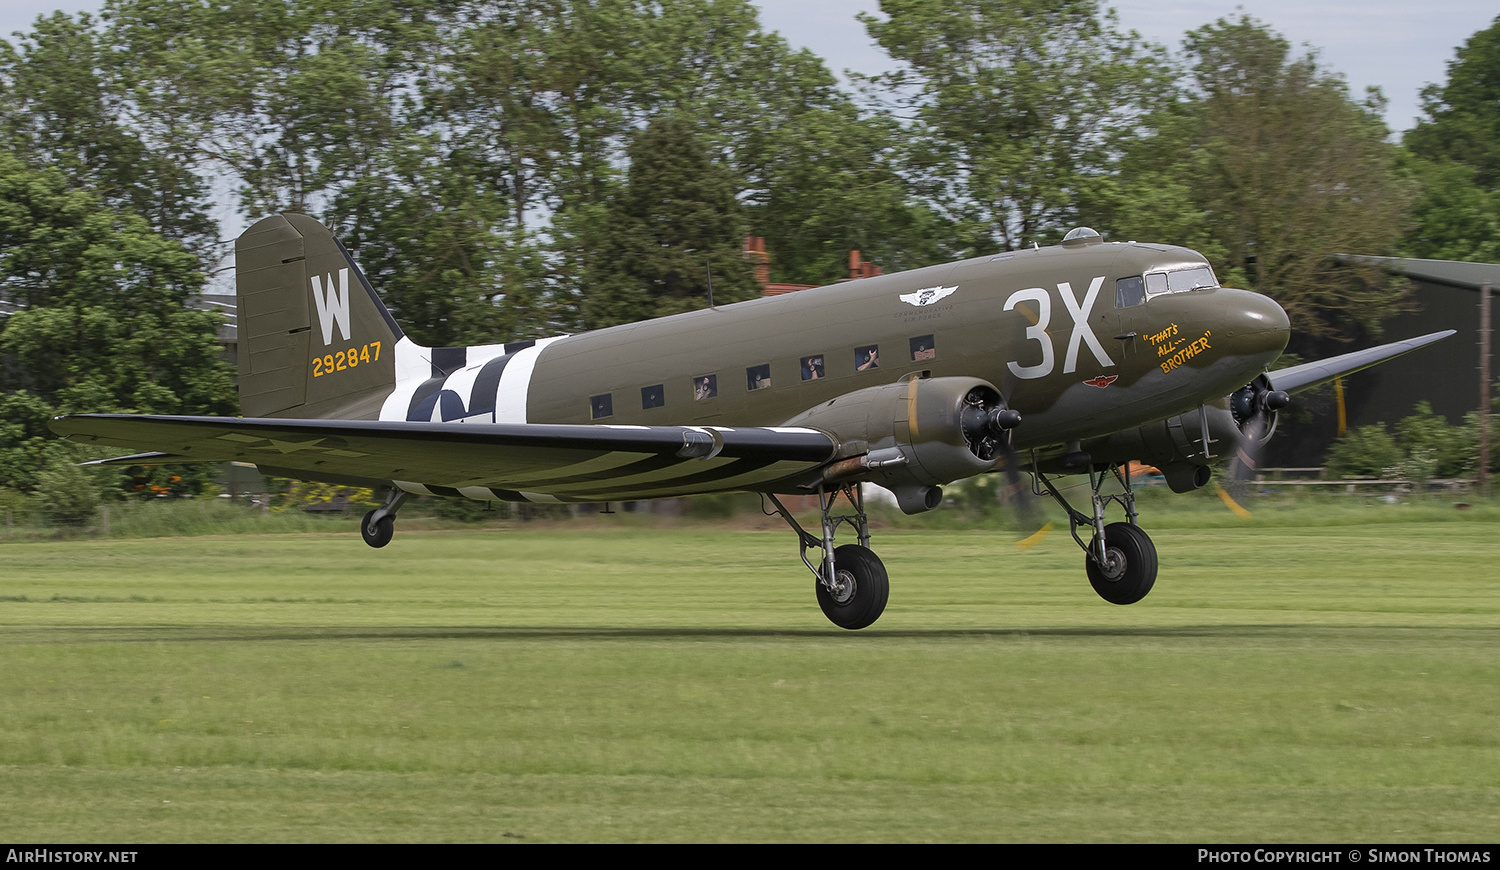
x,y
1175,445
1182,446
919,433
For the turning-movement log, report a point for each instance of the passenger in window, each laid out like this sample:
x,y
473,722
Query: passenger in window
x,y
866,358
1130,292
812,368
923,348
758,377
705,387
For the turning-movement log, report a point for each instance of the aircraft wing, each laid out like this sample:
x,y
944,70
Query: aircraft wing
x,y
511,462
1308,375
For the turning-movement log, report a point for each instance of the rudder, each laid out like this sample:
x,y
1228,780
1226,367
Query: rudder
x,y
315,340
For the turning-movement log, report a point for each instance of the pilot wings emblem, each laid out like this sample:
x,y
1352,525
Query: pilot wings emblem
x,y
928,295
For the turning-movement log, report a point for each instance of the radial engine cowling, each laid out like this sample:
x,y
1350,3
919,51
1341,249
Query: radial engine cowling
x,y
919,434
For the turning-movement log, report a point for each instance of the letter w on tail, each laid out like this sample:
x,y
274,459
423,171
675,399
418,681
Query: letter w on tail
x,y
333,306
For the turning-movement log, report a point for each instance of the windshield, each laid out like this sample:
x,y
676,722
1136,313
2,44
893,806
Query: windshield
x,y
1180,280
1191,279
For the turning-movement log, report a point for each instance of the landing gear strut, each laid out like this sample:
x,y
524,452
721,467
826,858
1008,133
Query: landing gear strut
x,y
379,525
852,585
1120,558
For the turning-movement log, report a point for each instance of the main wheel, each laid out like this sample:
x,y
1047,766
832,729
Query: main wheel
x,y
860,588
378,533
1130,565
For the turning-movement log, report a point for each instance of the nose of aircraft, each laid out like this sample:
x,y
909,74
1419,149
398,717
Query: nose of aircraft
x,y
1255,322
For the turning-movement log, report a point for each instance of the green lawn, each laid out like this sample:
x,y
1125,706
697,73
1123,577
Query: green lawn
x,y
593,681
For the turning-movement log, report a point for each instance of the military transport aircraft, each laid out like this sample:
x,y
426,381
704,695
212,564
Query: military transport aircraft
x,y
1073,359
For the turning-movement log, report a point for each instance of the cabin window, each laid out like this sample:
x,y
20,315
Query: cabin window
x,y
923,348
705,387
1130,292
758,377
866,358
601,406
653,396
812,367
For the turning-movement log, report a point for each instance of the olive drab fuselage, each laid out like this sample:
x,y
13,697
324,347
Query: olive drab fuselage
x,y
1044,326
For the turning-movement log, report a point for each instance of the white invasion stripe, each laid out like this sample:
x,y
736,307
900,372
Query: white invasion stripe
x,y
413,367
541,497
413,488
478,493
515,383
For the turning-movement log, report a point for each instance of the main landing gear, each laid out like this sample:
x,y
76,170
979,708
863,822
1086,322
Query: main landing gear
x,y
379,525
852,585
1120,558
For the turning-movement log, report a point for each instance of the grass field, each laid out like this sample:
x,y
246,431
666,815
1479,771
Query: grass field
x,y
1328,680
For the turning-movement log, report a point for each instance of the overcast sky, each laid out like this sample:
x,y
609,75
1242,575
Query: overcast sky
x,y
1396,45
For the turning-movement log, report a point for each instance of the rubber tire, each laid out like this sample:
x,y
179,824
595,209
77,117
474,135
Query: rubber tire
x,y
382,532
1139,574
872,588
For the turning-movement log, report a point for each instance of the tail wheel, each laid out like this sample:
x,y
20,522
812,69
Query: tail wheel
x,y
858,592
1129,569
377,533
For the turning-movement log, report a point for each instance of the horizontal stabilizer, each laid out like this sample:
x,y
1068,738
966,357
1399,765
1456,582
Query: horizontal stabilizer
x,y
155,457
1308,375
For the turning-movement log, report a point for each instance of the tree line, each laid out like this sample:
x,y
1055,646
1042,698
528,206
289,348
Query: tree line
x,y
506,169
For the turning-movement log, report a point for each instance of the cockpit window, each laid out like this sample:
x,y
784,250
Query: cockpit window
x,y
1191,279
1180,280
1129,292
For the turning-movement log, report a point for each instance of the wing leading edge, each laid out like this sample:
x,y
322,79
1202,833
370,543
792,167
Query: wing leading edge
x,y
511,462
1308,375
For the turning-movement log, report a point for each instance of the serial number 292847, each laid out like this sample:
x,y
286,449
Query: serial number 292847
x,y
329,363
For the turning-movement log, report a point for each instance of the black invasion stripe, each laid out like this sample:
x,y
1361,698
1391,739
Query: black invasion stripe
x,y
518,346
640,466
733,469
507,494
447,360
428,387
446,491
487,385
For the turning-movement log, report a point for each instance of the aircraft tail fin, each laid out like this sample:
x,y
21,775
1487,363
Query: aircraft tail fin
x,y
315,341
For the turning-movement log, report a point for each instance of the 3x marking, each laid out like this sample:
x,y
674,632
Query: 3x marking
x,y
1082,333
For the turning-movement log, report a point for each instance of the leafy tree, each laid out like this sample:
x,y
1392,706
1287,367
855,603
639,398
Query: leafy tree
x,y
1463,116
1458,157
1012,110
1267,166
62,105
101,321
675,220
